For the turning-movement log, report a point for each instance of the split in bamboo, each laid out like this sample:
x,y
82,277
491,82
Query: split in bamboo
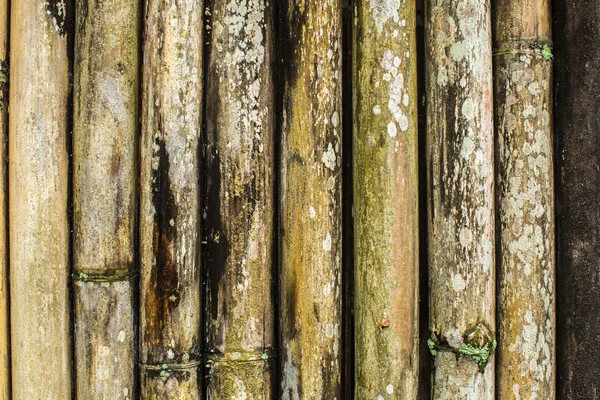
x,y
461,197
38,186
170,304
105,196
311,44
577,124
386,201
525,199
4,315
239,212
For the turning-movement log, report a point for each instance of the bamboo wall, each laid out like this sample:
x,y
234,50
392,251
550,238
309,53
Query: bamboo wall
x,y
299,199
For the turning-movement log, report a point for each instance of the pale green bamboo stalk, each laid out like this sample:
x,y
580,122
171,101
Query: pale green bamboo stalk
x,y
525,189
170,200
4,312
461,197
311,200
386,233
105,196
38,171
239,210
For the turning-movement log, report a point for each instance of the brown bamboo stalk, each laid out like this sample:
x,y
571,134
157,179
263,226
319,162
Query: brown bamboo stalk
x,y
105,196
239,212
4,312
311,199
525,206
461,197
38,174
169,221
386,217
576,124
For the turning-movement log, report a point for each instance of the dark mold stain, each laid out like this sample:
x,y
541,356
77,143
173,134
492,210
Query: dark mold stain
x,y
164,276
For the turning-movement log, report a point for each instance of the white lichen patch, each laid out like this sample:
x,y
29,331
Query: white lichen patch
x,y
311,212
239,390
389,389
383,11
329,158
398,96
327,242
458,283
377,109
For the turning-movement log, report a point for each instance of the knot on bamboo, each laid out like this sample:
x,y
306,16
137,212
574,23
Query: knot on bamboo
x,y
241,356
478,344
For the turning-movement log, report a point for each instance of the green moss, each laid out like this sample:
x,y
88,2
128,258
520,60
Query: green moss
x,y
431,345
480,355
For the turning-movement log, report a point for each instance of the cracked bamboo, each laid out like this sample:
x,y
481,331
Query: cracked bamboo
x,y
311,44
386,201
577,123
525,202
105,196
239,213
461,196
170,315
38,171
4,322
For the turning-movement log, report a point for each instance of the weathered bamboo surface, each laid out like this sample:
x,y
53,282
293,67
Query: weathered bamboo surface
x,y
105,197
170,311
461,197
239,210
38,182
577,124
525,200
310,293
386,218
4,296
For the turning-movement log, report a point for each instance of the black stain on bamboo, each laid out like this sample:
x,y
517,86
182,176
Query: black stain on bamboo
x,y
217,247
163,295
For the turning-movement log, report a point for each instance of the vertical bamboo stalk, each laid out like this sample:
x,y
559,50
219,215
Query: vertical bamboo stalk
x,y
105,201
4,312
170,199
38,171
577,124
525,202
460,183
239,221
386,201
311,199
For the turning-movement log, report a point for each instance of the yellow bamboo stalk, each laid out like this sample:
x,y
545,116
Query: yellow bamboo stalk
x,y
525,189
239,209
386,201
4,312
461,197
311,199
105,196
170,200
38,170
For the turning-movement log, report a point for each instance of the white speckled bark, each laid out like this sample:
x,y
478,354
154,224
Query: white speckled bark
x,y
460,162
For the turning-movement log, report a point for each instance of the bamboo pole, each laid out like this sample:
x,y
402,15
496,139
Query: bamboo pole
x,y
4,312
525,202
105,196
311,200
170,192
38,171
386,213
577,124
239,222
460,184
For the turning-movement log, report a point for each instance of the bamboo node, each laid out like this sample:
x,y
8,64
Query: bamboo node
x,y
479,345
240,357
116,276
